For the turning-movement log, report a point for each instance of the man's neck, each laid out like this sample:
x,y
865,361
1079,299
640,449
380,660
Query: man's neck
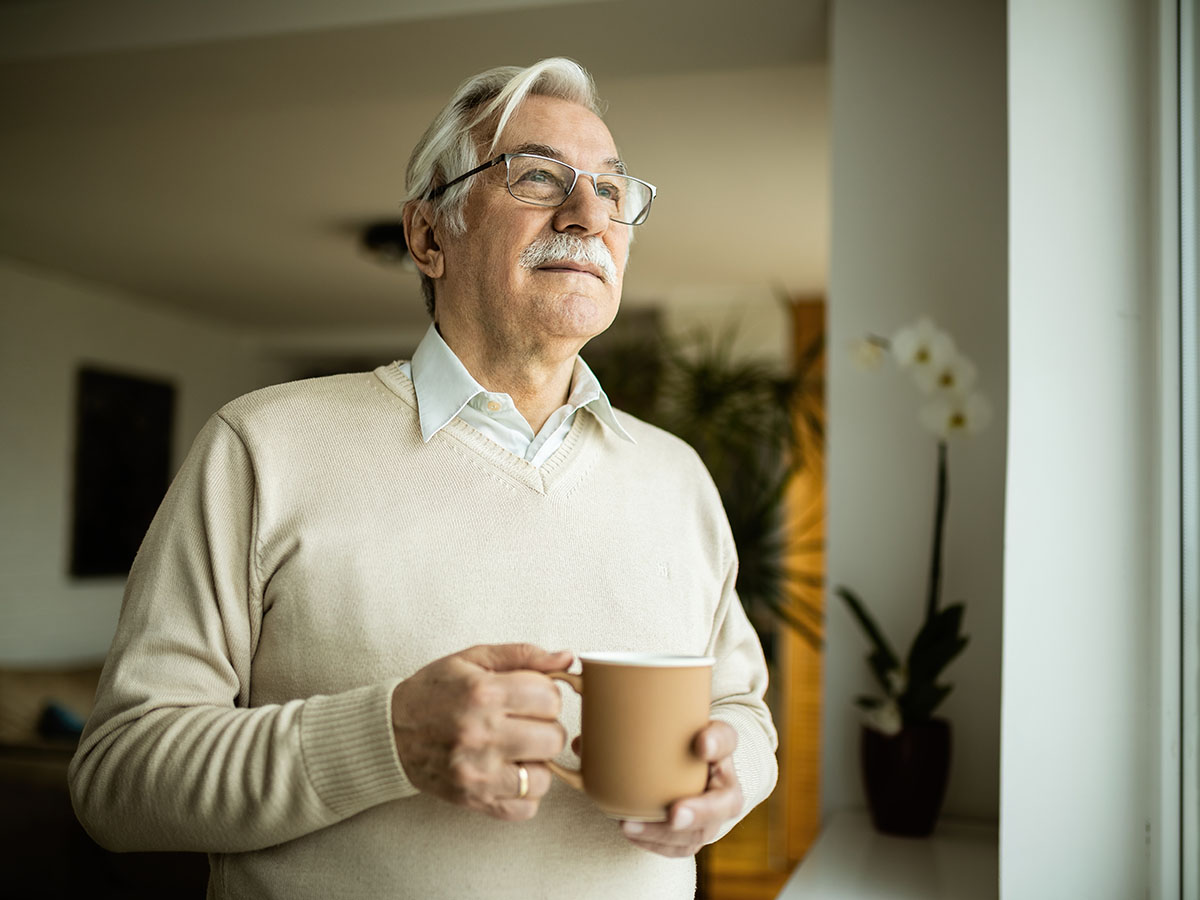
x,y
538,379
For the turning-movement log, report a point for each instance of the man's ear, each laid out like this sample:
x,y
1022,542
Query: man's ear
x,y
422,239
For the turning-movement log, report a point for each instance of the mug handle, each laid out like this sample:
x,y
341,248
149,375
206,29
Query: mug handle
x,y
573,777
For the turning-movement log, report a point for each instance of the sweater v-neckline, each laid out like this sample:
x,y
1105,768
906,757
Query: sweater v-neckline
x,y
543,479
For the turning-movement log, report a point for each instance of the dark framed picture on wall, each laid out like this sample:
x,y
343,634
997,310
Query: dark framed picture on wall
x,y
123,426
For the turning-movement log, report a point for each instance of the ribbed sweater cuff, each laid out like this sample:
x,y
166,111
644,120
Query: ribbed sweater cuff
x,y
349,751
753,760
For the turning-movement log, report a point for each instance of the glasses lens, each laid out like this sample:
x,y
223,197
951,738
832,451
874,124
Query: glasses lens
x,y
629,197
541,181
547,182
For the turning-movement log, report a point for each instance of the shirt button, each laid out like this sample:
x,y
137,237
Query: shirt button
x,y
493,406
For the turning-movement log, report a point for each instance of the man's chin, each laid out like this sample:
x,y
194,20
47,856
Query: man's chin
x,y
582,317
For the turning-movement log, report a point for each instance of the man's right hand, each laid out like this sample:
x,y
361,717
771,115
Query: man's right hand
x,y
464,722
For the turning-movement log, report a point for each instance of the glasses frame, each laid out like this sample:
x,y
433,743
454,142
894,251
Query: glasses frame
x,y
506,157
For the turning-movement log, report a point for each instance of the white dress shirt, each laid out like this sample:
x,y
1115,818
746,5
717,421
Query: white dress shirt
x,y
446,389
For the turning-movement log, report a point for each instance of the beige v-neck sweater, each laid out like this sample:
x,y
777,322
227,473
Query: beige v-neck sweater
x,y
311,553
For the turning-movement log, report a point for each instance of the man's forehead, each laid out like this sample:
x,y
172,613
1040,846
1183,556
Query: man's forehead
x,y
608,164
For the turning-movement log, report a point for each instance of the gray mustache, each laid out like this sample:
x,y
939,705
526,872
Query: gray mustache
x,y
564,247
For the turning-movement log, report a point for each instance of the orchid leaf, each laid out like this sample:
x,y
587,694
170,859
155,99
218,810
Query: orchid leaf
x,y
936,644
920,700
881,664
883,659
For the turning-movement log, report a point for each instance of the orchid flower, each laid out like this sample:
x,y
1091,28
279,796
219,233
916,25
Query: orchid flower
x,y
922,346
955,375
951,414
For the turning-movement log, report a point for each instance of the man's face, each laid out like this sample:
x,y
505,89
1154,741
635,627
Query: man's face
x,y
486,291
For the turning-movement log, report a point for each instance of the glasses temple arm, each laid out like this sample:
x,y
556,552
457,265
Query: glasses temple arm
x,y
438,191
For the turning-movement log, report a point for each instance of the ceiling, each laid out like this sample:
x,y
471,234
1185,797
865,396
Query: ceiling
x,y
222,157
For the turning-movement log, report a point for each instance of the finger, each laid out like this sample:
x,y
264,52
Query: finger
x,y
653,832
526,693
659,838
721,802
511,657
721,775
715,741
675,851
539,780
529,739
516,809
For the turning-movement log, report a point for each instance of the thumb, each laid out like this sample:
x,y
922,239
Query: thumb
x,y
715,741
512,657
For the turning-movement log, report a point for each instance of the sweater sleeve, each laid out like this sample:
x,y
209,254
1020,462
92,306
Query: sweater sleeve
x,y
739,685
173,757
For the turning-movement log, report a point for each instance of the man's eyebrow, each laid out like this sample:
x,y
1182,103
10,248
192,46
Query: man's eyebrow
x,y
612,164
539,149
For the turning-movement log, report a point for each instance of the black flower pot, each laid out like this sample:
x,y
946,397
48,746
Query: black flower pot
x,y
905,776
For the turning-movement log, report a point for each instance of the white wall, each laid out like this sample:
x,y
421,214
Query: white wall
x,y
754,314
773,121
919,213
49,325
1079,731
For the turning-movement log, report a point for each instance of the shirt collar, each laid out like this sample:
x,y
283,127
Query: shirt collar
x,y
444,386
442,383
586,393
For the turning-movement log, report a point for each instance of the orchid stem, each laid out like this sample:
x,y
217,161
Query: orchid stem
x,y
939,520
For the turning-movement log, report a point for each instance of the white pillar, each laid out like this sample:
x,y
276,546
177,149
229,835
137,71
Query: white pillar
x,y
1079,733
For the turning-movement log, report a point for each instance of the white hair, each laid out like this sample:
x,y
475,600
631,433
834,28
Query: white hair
x,y
449,146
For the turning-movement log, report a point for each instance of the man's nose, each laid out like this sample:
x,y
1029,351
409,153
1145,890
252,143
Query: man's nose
x,y
584,211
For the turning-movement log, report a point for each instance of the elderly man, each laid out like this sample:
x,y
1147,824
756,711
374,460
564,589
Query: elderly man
x,y
288,689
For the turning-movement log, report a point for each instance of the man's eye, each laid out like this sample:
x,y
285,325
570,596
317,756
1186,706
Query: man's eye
x,y
540,176
608,191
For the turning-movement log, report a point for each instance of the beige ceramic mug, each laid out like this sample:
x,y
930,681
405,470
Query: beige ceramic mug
x,y
641,714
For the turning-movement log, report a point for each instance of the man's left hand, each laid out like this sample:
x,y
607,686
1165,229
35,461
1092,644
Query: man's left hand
x,y
694,822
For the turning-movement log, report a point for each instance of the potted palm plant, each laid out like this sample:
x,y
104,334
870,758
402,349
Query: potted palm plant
x,y
754,427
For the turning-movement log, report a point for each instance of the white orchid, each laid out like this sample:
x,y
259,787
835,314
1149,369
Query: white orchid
x,y
952,414
955,375
939,370
911,695
922,346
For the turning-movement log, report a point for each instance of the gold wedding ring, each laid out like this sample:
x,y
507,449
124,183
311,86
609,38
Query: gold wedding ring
x,y
522,782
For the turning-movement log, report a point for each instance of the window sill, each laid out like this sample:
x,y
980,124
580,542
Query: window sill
x,y
960,861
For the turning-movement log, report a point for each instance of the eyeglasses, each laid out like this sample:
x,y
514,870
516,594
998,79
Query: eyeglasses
x,y
547,182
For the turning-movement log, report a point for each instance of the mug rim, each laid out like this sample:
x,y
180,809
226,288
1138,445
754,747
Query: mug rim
x,y
647,660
